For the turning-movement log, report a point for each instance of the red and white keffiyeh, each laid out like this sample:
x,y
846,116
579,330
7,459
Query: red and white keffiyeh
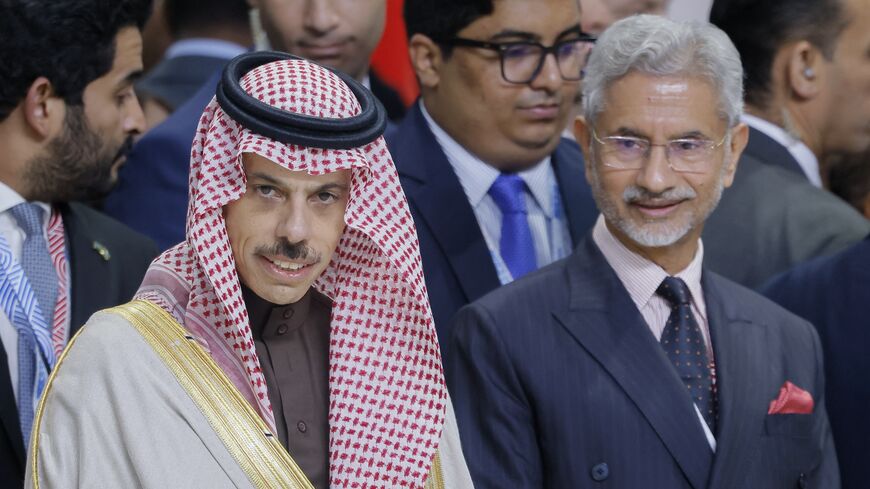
x,y
387,392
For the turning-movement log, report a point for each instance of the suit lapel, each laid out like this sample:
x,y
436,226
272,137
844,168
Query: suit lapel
x,y
87,269
607,324
443,205
740,348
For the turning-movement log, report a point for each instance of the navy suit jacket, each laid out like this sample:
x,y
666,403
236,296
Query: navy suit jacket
x,y
558,382
456,261
833,293
96,283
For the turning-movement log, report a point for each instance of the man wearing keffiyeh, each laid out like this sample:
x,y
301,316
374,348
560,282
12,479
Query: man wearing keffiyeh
x,y
288,341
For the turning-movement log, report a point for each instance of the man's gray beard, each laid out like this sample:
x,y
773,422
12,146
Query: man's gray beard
x,y
652,235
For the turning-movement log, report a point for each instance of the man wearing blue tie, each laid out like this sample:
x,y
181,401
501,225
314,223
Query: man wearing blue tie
x,y
494,190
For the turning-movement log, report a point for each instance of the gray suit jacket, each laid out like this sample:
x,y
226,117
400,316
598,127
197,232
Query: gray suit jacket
x,y
772,219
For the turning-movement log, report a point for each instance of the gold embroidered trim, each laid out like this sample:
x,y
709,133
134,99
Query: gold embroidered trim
x,y
436,476
243,432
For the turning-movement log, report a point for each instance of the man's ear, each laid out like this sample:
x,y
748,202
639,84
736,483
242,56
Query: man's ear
x,y
426,59
804,70
583,136
43,110
739,138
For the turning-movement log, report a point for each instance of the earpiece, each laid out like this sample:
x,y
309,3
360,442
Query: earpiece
x,y
809,73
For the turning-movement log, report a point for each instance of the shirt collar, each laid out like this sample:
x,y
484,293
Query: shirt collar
x,y
213,48
641,277
476,176
261,312
799,151
9,198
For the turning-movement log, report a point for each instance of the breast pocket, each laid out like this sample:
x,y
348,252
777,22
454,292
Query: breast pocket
x,y
794,425
791,442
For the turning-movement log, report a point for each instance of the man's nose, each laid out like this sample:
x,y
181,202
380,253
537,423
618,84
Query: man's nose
x,y
320,16
295,224
656,175
549,77
134,118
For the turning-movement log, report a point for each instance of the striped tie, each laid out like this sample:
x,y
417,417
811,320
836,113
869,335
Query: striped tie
x,y
38,268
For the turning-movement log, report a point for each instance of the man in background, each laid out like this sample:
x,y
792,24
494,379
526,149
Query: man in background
x,y
202,46
832,292
599,14
341,35
494,189
807,97
67,118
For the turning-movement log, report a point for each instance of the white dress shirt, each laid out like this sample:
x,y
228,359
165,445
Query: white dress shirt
x,y
799,151
546,215
14,236
641,278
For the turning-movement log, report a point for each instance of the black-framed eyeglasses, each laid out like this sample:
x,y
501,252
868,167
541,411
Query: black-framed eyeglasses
x,y
521,61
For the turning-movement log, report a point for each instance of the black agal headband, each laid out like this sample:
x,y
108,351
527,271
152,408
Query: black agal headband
x,y
290,128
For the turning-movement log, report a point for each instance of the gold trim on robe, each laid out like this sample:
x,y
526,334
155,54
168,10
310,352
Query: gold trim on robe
x,y
257,451
245,435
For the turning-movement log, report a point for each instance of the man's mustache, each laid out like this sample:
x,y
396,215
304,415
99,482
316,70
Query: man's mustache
x,y
292,251
125,148
634,194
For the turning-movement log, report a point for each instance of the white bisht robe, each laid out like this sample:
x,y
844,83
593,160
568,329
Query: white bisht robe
x,y
116,415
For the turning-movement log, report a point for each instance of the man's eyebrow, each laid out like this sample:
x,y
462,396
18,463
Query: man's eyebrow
x,y
130,79
266,178
531,36
332,186
629,132
515,34
574,29
278,183
696,134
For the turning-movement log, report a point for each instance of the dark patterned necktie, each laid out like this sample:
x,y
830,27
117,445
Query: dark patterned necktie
x,y
683,342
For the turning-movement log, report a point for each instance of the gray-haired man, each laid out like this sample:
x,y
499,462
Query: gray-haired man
x,y
628,363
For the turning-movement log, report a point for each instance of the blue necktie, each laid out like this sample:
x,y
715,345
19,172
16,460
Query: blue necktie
x,y
516,246
39,270
684,343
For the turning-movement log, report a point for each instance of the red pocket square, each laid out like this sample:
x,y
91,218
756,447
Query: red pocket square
x,y
792,400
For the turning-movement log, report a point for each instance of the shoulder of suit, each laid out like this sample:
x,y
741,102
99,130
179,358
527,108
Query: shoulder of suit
x,y
794,196
753,306
842,269
550,281
114,235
